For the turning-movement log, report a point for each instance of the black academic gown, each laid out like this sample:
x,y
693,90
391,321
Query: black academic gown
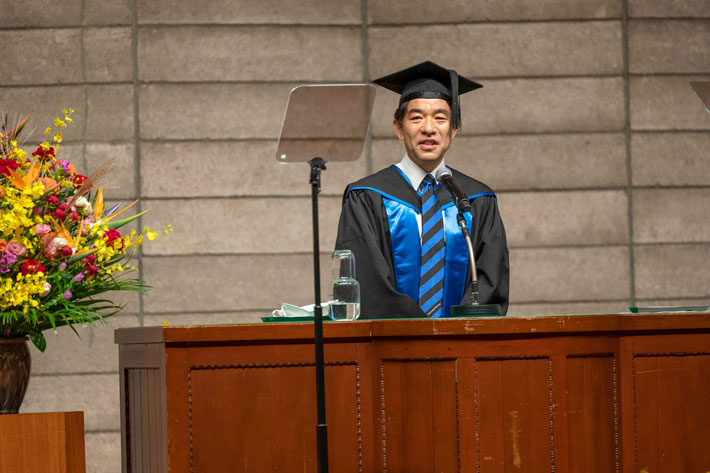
x,y
365,225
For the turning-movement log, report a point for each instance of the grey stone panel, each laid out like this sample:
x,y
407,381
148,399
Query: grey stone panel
x,y
44,13
326,12
667,103
244,168
206,318
529,162
72,152
529,106
670,159
103,452
260,225
456,11
169,111
564,274
121,179
568,308
95,394
671,215
110,116
46,56
45,103
669,47
672,271
252,53
669,8
564,218
126,299
108,54
232,282
92,351
500,50
108,12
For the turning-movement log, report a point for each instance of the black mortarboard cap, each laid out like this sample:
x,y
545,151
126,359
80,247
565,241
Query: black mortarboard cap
x,y
428,80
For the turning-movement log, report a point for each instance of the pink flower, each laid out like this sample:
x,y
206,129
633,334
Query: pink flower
x,y
86,225
47,288
42,229
67,294
79,277
16,249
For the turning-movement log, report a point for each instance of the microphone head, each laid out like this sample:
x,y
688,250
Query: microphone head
x,y
442,172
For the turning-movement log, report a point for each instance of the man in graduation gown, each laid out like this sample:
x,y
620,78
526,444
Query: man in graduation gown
x,y
412,259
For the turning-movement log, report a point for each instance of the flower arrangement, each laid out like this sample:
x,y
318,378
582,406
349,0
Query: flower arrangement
x,y
60,248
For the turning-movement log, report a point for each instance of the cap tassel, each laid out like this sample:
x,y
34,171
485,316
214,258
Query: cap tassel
x,y
455,107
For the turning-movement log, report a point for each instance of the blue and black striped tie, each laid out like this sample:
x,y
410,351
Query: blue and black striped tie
x,y
431,279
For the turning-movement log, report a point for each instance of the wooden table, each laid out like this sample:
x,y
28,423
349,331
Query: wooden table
x,y
593,393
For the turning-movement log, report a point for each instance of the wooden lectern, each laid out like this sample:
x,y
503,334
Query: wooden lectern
x,y
594,393
42,442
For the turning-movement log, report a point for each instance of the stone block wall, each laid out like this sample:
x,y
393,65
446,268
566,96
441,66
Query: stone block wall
x,y
586,128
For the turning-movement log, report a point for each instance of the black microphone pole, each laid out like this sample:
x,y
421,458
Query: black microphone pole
x,y
318,165
475,309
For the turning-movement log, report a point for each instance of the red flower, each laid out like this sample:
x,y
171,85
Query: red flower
x,y
89,260
91,270
44,154
31,266
79,179
111,236
52,199
6,164
66,251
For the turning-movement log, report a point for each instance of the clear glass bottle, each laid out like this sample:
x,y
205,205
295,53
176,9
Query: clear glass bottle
x,y
345,290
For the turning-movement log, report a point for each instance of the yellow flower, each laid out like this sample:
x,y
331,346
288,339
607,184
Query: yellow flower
x,y
58,122
45,145
68,119
58,137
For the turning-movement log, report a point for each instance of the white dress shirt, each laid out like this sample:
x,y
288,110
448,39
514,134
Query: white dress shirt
x,y
416,175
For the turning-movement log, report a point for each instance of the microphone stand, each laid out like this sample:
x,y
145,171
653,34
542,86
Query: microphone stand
x,y
474,309
318,165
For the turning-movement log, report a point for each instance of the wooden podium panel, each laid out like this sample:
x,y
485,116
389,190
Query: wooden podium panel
x,y
48,442
598,393
270,409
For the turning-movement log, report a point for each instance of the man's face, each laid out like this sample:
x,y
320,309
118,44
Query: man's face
x,y
426,131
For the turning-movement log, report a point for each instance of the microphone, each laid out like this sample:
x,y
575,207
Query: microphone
x,y
460,199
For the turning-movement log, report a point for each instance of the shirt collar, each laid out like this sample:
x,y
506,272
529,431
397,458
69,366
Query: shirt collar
x,y
414,173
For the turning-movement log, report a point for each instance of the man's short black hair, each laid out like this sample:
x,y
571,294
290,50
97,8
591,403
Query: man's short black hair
x,y
400,113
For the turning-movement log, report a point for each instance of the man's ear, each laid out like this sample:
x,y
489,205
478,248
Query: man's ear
x,y
398,129
453,131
